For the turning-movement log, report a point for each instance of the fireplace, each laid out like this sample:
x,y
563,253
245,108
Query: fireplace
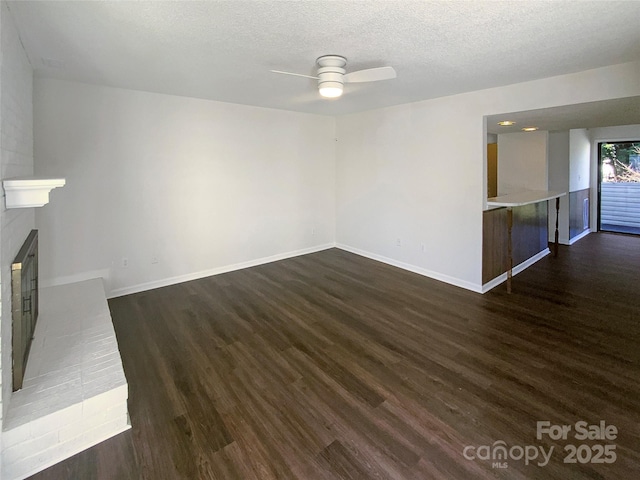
x,y
24,304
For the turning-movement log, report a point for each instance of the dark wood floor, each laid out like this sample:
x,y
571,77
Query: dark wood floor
x,y
333,366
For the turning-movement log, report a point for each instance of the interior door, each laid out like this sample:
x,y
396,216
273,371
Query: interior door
x,y
492,170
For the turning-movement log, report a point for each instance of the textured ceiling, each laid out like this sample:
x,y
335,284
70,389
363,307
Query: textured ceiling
x,y
223,50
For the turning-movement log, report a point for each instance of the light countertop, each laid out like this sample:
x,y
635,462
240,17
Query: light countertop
x,y
527,197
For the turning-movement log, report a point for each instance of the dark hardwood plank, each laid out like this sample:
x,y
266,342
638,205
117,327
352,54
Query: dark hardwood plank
x,y
339,459
113,458
331,366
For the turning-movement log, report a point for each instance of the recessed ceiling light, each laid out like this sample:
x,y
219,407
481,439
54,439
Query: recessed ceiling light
x,y
529,129
506,123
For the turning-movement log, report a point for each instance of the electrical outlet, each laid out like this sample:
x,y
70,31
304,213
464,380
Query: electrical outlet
x,y
423,247
154,258
398,242
125,262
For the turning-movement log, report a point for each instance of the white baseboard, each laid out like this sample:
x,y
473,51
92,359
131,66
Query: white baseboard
x,y
412,268
579,236
119,292
517,269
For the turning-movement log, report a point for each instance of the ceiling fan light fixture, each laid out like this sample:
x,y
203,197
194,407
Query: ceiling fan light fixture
x,y
330,89
332,76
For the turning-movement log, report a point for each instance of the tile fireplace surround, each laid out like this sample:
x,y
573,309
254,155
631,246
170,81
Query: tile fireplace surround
x,y
74,393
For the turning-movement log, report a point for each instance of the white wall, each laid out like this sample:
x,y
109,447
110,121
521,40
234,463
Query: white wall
x,y
396,170
620,133
199,186
580,159
523,161
16,159
417,172
559,154
414,172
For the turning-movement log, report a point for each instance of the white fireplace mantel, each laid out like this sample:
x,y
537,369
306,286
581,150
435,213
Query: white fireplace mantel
x,y
25,192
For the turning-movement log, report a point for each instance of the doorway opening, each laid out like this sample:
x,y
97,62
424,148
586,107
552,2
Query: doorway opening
x,y
619,187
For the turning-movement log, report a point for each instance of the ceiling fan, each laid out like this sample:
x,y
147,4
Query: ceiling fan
x,y
332,75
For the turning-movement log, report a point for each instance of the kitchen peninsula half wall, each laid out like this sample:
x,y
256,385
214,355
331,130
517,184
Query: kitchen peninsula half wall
x,y
530,240
516,220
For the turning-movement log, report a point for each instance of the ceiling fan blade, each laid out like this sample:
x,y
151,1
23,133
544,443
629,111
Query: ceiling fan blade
x,y
370,75
294,74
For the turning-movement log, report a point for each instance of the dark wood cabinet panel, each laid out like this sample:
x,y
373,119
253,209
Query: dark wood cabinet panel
x,y
576,211
529,237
